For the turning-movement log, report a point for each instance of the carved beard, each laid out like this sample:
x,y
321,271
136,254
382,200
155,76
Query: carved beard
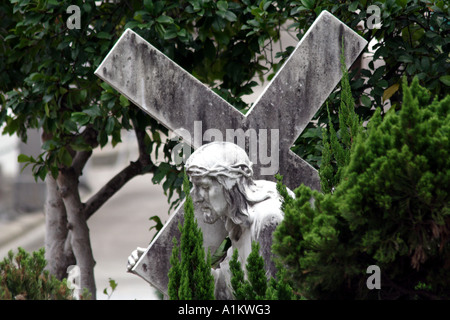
x,y
209,215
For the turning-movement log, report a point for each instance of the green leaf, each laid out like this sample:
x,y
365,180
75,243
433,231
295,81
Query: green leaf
x,y
222,37
36,76
131,24
182,33
42,173
312,133
66,78
230,16
366,101
124,101
102,138
62,90
161,172
170,33
148,4
158,226
401,3
298,9
70,125
222,5
64,157
110,124
23,158
353,6
378,73
11,36
113,284
47,97
80,147
80,117
107,87
160,29
382,83
83,94
54,171
309,4
104,35
431,34
93,111
266,5
445,80
405,58
87,7
47,110
164,19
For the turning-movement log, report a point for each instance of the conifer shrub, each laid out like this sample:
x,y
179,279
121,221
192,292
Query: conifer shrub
x,y
337,144
256,286
190,276
390,209
22,277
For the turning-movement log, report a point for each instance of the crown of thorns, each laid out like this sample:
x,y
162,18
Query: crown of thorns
x,y
231,171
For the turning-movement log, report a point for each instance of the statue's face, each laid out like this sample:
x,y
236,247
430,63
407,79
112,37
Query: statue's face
x,y
210,198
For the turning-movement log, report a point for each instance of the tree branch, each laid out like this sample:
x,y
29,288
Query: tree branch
x,y
141,166
79,161
111,187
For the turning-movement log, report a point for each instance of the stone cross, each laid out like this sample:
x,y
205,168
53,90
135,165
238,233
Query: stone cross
x,y
184,105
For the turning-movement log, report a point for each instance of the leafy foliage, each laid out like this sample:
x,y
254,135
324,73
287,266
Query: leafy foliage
x,y
22,277
411,40
47,79
257,286
113,285
190,276
391,209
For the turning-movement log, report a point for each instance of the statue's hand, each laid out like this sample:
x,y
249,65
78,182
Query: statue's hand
x,y
134,257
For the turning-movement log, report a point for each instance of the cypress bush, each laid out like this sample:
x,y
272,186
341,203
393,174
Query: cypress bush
x,y
390,209
190,276
22,277
256,286
337,145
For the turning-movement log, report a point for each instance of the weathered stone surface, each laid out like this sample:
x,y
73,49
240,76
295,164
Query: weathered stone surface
x,y
178,100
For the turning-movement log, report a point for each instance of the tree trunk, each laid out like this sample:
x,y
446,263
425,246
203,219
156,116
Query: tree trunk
x,y
59,256
67,233
79,232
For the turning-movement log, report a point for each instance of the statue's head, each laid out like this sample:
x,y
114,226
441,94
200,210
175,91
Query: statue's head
x,y
221,173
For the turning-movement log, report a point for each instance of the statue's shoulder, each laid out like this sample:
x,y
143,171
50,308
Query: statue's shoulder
x,y
268,210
